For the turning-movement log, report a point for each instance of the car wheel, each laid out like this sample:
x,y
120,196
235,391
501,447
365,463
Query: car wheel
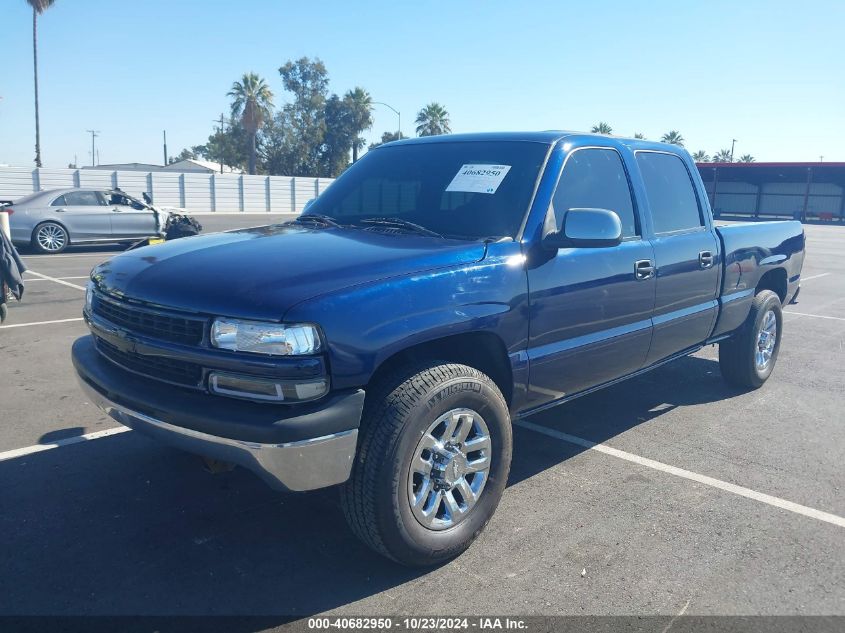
x,y
748,357
50,238
433,459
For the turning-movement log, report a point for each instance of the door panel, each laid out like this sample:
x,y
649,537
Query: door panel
x,y
130,222
590,319
685,306
84,216
686,255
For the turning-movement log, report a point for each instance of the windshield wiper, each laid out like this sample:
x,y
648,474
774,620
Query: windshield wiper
x,y
400,223
316,218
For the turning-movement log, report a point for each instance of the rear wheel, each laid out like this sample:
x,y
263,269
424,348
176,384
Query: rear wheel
x,y
748,358
433,460
50,237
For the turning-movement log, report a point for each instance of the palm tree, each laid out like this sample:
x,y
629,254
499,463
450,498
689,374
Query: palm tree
x,y
360,105
38,7
674,137
602,128
722,156
746,158
432,120
701,157
639,135
252,101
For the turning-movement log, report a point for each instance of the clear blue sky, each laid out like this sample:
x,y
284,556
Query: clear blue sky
x,y
769,74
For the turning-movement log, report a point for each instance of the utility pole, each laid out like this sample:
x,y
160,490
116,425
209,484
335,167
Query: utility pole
x,y
221,141
733,142
94,134
165,146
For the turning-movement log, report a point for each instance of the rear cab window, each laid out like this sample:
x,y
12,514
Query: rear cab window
x,y
671,195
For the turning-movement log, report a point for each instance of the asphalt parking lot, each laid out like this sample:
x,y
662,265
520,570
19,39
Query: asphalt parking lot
x,y
697,498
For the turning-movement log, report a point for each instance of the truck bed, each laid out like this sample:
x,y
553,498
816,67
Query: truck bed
x,y
755,252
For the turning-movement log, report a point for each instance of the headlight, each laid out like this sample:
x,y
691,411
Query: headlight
x,y
265,338
89,296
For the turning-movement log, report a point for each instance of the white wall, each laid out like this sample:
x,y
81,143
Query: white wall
x,y
219,193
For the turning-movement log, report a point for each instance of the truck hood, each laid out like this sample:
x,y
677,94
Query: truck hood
x,y
259,273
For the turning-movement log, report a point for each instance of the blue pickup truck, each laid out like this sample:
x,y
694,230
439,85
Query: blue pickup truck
x,y
439,289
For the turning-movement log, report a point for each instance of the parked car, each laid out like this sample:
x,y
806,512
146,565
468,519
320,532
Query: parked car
x,y
439,289
51,220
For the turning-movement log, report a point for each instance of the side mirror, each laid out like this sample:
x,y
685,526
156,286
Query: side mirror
x,y
586,228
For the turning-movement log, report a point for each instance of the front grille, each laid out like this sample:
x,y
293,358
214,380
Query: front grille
x,y
152,323
166,369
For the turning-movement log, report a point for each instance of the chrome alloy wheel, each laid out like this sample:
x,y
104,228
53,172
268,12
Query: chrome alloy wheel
x,y
766,339
449,469
51,237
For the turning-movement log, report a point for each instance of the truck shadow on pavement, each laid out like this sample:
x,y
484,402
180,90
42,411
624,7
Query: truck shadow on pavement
x,y
124,526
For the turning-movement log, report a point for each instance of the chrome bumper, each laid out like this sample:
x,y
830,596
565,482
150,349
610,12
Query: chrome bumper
x,y
297,466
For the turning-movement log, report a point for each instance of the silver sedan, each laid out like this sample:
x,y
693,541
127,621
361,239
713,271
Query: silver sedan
x,y
52,220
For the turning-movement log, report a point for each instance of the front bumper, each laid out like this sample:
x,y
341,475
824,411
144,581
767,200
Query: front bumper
x,y
293,448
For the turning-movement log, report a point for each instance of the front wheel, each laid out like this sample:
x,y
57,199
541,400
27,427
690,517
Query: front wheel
x,y
433,460
748,357
50,238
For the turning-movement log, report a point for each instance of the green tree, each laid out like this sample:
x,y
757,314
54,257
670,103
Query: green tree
x,y
722,156
252,102
701,157
746,158
602,128
185,154
433,120
387,137
674,137
38,7
360,107
301,127
639,135
342,121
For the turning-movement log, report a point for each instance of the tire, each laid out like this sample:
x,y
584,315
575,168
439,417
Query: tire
x,y
378,499
50,238
748,357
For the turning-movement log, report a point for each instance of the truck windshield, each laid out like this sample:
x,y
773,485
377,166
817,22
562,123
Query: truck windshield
x,y
463,189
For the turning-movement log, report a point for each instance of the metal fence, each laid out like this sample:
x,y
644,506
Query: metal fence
x,y
197,192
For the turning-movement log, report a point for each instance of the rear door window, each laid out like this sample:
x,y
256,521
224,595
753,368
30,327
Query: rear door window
x,y
58,202
83,199
671,196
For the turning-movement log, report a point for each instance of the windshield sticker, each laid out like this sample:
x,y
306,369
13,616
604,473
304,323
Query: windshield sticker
x,y
478,178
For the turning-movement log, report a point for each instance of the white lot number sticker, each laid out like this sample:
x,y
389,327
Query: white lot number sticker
x,y
478,178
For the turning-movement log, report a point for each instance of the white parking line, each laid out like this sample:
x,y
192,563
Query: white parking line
x,y
69,255
57,280
38,448
814,316
687,474
814,276
3,327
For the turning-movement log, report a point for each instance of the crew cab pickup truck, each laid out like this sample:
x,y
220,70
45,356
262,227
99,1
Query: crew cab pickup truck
x,y
439,289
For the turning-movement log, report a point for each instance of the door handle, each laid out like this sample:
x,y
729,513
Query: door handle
x,y
705,259
60,210
643,269
115,210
